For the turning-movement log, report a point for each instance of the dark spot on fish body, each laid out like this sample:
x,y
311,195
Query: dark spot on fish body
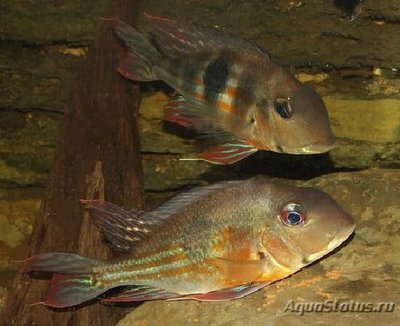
x,y
215,78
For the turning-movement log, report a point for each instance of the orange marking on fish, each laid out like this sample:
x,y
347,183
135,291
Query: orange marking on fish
x,y
232,236
225,106
230,91
198,96
198,81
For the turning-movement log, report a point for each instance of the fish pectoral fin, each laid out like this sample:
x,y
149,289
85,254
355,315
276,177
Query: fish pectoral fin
x,y
177,110
236,292
228,153
240,271
141,293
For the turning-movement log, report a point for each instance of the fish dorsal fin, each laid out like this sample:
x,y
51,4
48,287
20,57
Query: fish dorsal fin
x,y
175,38
179,202
120,226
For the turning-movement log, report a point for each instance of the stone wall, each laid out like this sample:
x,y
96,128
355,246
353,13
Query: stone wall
x,y
351,55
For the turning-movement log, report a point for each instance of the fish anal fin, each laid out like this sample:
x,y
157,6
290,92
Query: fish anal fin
x,y
228,153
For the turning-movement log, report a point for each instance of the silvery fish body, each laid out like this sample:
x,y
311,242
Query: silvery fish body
x,y
230,90
217,242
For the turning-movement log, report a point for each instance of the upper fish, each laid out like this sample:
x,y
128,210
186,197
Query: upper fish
x,y
217,242
229,90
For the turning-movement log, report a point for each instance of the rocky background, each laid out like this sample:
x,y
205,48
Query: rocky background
x,y
349,51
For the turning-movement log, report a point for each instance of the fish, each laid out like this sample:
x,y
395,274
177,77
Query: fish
x,y
218,242
234,94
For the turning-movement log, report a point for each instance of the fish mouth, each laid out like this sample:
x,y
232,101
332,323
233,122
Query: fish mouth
x,y
316,148
337,240
308,149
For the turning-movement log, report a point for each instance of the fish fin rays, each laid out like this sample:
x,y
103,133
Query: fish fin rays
x,y
177,203
138,64
140,293
72,280
236,292
183,38
69,290
208,123
122,227
228,153
241,271
60,262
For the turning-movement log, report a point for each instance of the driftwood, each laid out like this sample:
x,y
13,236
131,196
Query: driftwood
x,y
98,156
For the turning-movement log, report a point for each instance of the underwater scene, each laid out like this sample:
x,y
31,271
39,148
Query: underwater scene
x,y
199,162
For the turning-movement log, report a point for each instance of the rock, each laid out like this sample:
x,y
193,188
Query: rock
x,y
70,21
363,270
302,33
27,142
358,80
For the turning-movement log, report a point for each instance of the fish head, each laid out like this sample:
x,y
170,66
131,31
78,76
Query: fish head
x,y
293,118
307,225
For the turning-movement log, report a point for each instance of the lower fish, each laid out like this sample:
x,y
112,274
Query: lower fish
x,y
218,242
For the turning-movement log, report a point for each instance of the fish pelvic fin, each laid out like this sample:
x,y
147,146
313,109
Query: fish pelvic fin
x,y
236,292
228,153
138,64
141,293
73,281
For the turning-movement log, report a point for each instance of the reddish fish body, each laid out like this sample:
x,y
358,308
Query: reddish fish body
x,y
217,242
229,90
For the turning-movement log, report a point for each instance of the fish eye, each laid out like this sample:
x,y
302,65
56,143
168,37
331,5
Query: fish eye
x,y
283,108
293,215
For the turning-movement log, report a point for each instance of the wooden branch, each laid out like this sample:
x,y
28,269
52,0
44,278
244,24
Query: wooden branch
x,y
97,157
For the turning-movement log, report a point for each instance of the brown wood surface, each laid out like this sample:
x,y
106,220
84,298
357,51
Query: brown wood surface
x,y
97,157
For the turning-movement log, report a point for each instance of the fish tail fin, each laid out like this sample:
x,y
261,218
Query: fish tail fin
x,y
72,282
138,63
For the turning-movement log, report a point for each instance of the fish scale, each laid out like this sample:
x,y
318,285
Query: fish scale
x,y
230,91
217,242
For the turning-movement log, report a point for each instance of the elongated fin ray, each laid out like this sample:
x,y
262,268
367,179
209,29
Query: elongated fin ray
x,y
236,292
183,38
228,153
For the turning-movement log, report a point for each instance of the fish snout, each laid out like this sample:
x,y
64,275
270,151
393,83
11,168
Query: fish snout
x,y
317,148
